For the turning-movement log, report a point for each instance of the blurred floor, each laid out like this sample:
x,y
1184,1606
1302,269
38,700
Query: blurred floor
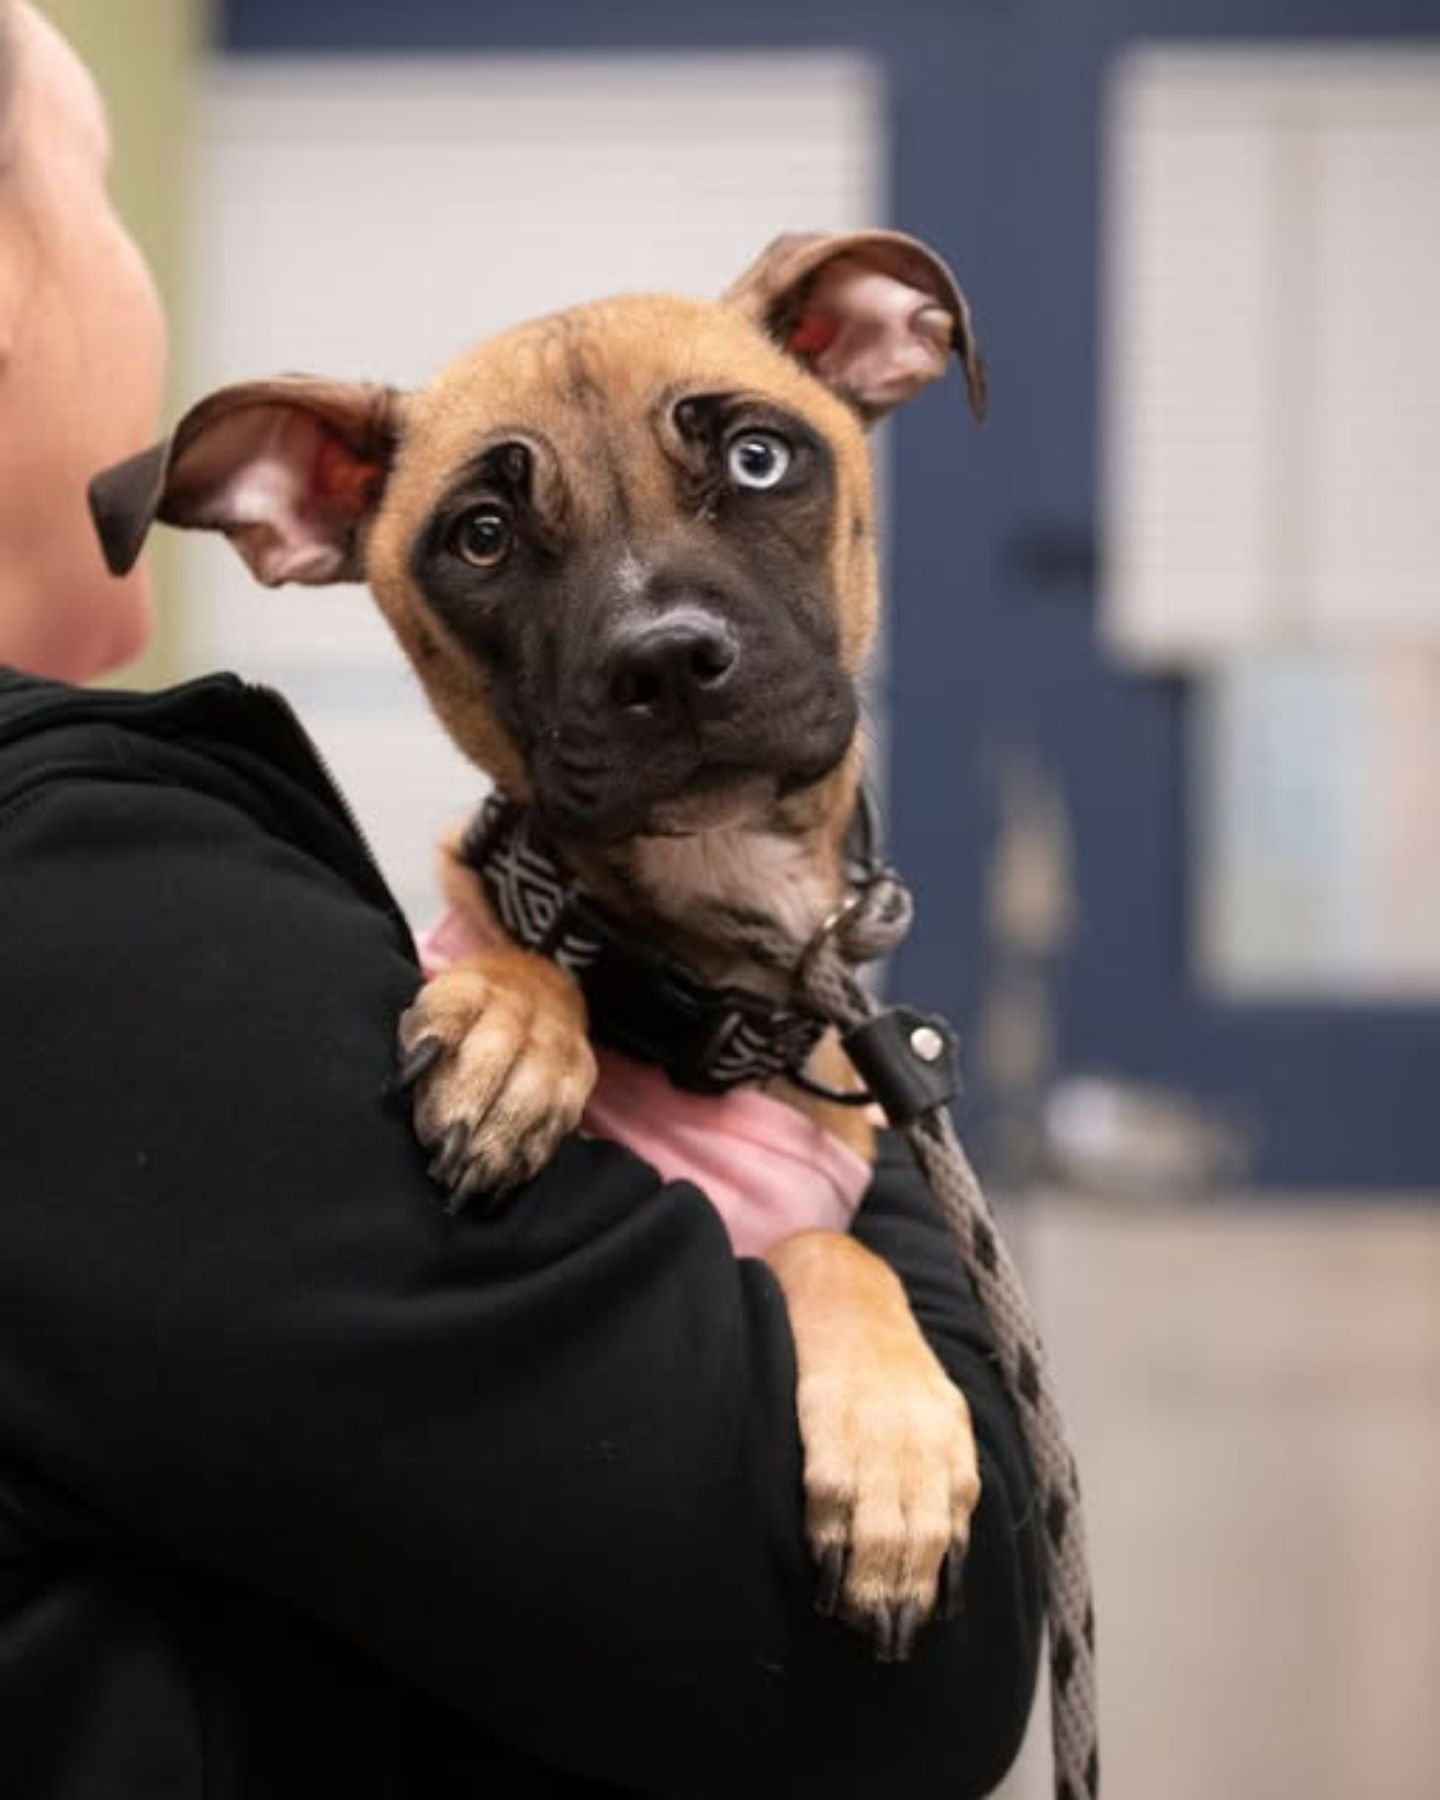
x,y
1255,1397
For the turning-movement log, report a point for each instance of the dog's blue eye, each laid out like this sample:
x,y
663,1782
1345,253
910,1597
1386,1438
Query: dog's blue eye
x,y
482,536
758,459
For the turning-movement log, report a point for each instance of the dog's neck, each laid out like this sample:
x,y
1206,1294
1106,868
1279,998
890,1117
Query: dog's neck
x,y
703,894
701,897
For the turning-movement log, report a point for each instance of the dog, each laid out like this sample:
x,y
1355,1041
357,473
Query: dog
x,y
629,549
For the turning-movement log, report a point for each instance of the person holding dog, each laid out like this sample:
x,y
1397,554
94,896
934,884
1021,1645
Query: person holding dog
x,y
307,1487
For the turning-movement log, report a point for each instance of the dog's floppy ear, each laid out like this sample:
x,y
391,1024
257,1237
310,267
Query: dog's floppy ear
x,y
873,314
290,469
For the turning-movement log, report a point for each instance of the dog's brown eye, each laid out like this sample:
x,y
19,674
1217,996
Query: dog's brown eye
x,y
482,536
757,459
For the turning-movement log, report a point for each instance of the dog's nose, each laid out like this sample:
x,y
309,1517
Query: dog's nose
x,y
681,662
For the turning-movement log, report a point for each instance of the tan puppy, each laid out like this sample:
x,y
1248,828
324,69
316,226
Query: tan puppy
x,y
629,549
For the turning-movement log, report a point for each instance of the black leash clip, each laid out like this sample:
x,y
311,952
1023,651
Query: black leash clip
x,y
909,1062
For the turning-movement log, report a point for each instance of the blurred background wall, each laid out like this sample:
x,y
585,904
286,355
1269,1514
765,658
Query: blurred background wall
x,y
1161,695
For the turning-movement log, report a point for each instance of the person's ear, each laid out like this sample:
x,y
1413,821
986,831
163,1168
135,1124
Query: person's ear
x,y
875,315
291,469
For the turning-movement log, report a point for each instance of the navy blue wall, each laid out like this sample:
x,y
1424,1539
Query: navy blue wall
x,y
996,109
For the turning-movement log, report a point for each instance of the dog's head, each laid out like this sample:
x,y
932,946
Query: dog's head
x,y
629,547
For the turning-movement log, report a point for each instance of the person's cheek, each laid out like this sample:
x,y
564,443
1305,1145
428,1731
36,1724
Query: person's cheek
x,y
128,338
101,398
135,325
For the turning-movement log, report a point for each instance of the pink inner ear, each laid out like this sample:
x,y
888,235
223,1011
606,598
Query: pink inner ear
x,y
875,338
286,490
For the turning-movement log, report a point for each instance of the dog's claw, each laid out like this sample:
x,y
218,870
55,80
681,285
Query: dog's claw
x,y
465,1189
831,1580
894,1629
419,1060
905,1623
952,1580
449,1159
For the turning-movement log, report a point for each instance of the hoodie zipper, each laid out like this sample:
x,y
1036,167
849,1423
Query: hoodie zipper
x,y
336,793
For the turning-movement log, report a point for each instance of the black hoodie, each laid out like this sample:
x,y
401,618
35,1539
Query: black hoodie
x,y
308,1489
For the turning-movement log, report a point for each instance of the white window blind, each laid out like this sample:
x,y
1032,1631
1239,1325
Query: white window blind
x,y
1272,367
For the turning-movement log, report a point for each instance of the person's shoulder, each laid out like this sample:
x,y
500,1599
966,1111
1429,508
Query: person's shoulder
x,y
175,883
48,726
183,754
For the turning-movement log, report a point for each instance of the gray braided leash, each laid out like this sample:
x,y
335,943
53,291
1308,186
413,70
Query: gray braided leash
x,y
869,926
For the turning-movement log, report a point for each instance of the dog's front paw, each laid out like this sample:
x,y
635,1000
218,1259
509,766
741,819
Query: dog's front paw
x,y
891,1484
495,1048
891,1473
890,1487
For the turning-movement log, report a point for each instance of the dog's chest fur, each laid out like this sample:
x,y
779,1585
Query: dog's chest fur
x,y
718,885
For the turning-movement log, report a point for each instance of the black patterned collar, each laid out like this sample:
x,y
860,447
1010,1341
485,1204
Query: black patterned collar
x,y
642,1002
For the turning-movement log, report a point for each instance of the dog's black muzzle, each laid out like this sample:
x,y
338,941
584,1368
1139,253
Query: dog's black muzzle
x,y
684,705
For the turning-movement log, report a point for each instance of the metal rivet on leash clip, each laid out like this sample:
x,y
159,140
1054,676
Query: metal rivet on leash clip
x,y
907,1060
